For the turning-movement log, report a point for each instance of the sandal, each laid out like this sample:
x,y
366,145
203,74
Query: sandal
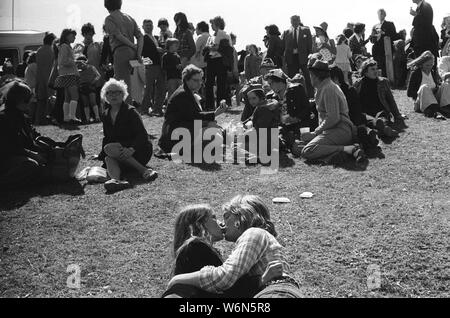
x,y
150,175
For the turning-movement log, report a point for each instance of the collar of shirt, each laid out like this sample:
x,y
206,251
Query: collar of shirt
x,y
358,37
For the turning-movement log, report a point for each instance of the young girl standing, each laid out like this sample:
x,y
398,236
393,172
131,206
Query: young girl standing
x,y
343,56
69,76
252,63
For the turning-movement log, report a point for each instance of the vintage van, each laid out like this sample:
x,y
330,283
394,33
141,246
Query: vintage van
x,y
14,43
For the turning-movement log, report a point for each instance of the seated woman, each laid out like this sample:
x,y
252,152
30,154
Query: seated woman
x,y
196,230
424,87
247,222
366,136
295,107
21,163
184,109
333,140
126,144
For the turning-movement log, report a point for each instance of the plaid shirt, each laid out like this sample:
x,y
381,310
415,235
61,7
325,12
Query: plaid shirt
x,y
254,250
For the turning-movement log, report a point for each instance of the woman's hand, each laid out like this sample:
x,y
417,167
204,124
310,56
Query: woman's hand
x,y
273,270
222,108
307,137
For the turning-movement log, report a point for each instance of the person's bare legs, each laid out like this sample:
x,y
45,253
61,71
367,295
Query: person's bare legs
x,y
113,151
113,167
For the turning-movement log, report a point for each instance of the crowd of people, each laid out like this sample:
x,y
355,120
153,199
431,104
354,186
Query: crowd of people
x,y
329,99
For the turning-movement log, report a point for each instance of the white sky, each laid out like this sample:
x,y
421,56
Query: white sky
x,y
245,18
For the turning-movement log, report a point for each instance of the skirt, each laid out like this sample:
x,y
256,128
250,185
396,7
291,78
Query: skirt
x,y
66,81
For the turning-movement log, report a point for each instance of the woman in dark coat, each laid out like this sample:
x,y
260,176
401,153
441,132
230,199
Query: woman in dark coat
x,y
275,46
184,109
126,143
21,163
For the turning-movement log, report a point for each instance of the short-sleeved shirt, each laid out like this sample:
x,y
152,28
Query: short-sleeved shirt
x,y
215,40
120,23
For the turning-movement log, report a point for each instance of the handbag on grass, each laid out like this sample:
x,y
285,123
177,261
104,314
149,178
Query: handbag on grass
x,y
62,157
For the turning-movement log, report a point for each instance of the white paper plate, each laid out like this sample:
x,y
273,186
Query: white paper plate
x,y
306,195
281,200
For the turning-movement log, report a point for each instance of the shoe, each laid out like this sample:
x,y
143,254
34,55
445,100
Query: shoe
x,y
113,186
389,132
75,122
150,175
359,154
440,116
372,138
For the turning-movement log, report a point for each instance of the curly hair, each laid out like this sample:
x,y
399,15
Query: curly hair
x,y
87,28
219,22
121,85
189,71
64,34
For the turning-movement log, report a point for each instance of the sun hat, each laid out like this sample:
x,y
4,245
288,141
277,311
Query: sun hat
x,y
277,73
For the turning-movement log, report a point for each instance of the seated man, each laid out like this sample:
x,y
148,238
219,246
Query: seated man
x,y
377,102
295,107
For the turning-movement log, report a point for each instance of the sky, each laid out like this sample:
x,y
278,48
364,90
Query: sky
x,y
245,18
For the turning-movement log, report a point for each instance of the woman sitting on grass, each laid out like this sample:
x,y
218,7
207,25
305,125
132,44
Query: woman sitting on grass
x,y
21,163
332,141
247,222
126,143
430,97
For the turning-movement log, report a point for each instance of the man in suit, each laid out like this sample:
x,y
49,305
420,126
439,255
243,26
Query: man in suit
x,y
424,37
298,46
379,32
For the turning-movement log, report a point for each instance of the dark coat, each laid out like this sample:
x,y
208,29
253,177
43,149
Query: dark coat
x,y
304,45
297,101
357,47
416,80
384,94
354,105
129,131
378,45
182,111
424,35
275,50
17,135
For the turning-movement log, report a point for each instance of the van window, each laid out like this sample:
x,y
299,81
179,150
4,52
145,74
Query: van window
x,y
12,54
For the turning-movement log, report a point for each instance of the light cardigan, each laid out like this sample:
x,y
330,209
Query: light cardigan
x,y
66,61
444,66
332,107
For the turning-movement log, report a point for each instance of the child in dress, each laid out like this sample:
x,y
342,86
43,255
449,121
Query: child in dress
x,y
343,56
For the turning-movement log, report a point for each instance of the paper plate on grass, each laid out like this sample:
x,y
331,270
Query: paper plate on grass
x,y
281,200
306,195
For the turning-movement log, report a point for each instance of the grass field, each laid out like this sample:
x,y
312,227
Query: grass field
x,y
395,215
